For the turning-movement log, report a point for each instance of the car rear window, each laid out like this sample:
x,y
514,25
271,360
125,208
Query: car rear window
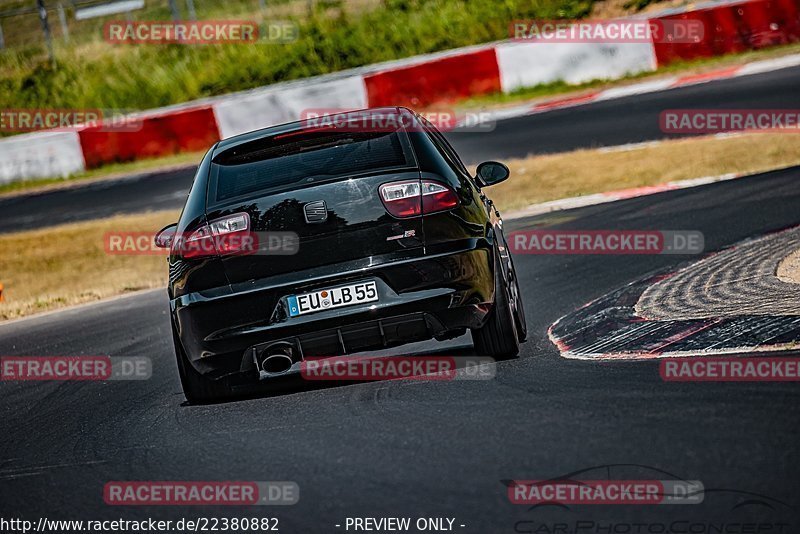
x,y
294,158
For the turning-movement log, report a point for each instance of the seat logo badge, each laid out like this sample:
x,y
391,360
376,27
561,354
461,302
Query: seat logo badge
x,y
316,212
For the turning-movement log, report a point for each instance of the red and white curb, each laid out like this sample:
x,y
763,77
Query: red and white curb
x,y
651,86
743,350
419,82
630,323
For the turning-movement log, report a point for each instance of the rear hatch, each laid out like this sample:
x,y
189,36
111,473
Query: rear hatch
x,y
313,199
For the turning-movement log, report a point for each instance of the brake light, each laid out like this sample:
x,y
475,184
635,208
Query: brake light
x,y
411,198
224,236
402,199
305,131
437,197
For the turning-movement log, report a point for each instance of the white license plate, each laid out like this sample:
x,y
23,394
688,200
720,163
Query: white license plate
x,y
327,299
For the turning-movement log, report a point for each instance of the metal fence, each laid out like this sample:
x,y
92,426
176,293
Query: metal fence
x,y
54,23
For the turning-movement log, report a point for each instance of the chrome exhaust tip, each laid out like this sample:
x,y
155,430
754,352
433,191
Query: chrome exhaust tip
x,y
277,361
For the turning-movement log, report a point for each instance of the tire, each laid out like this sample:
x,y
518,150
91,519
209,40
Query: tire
x,y
498,337
197,388
517,306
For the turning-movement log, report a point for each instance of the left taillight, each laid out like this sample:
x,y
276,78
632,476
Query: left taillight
x,y
415,197
224,236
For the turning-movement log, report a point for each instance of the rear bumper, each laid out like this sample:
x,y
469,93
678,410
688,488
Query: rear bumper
x,y
419,299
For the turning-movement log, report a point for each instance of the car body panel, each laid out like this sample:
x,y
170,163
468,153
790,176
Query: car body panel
x,y
435,273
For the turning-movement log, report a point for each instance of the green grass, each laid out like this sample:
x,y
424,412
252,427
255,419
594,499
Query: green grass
x,y
483,101
100,75
638,5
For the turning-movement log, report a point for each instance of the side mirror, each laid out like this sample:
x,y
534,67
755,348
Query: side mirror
x,y
491,172
165,236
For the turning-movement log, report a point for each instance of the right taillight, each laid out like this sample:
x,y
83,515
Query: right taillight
x,y
415,197
437,197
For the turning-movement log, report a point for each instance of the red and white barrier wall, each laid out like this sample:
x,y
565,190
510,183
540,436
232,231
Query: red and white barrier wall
x,y
734,27
527,64
418,82
158,134
250,111
437,78
40,155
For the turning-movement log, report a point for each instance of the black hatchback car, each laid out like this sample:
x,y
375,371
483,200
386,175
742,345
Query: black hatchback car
x,y
325,239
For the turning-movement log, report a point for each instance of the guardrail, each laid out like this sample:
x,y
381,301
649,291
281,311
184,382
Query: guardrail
x,y
417,82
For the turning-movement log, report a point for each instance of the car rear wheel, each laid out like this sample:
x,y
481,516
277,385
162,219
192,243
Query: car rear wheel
x,y
197,388
516,304
498,337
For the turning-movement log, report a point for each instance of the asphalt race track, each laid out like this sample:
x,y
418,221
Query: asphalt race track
x,y
608,123
417,448
627,120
